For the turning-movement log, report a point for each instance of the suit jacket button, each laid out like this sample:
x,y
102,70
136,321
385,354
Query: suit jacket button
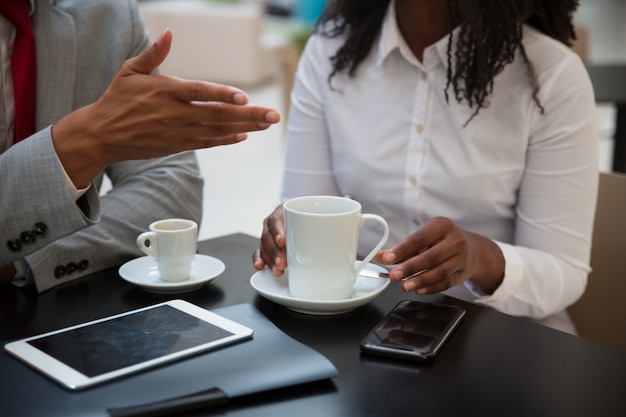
x,y
14,245
28,237
40,229
70,268
59,272
82,265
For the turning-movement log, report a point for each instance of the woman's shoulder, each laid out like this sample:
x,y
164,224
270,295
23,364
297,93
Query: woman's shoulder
x,y
546,52
325,39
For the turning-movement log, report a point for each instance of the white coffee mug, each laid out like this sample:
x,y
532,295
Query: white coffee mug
x,y
322,234
172,243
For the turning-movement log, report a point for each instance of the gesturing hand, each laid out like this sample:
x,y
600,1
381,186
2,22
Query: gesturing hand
x,y
443,255
142,115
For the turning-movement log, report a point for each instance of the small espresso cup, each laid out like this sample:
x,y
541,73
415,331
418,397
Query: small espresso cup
x,y
172,243
322,234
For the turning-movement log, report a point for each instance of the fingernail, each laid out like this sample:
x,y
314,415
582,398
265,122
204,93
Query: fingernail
x,y
389,258
163,33
397,275
240,98
263,125
272,117
409,286
277,260
240,137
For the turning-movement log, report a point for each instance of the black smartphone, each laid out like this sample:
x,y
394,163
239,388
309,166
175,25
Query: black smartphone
x,y
413,330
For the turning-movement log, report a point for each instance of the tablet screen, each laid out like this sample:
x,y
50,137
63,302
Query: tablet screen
x,y
128,340
97,351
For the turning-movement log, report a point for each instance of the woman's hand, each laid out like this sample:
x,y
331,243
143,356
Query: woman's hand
x,y
444,255
272,252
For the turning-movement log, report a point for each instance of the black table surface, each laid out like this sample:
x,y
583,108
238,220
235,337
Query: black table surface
x,y
494,365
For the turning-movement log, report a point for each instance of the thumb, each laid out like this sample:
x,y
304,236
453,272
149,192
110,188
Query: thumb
x,y
151,58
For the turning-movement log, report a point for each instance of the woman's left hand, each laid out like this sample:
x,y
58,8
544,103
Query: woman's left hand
x,y
443,255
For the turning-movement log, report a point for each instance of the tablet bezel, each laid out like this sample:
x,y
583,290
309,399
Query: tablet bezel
x,y
73,380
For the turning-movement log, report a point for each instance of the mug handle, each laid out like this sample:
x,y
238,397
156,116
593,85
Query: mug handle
x,y
375,218
147,243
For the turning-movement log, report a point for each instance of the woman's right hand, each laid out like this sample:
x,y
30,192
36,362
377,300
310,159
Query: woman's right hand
x,y
272,252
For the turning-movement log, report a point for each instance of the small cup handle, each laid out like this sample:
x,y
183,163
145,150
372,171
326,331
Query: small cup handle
x,y
375,218
147,243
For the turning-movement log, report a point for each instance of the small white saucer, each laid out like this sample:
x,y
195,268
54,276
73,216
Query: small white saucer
x,y
276,289
144,273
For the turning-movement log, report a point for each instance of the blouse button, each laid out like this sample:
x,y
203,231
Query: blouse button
x,y
419,128
413,181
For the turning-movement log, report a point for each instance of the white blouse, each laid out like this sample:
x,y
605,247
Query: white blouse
x,y
388,139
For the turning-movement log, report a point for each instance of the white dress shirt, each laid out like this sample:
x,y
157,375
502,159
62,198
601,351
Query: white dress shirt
x,y
389,139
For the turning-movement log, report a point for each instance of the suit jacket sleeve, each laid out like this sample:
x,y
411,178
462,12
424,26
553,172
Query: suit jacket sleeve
x,y
142,192
36,206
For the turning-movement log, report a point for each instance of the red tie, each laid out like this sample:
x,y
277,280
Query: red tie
x,y
23,62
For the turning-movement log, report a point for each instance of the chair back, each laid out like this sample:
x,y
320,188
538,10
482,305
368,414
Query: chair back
x,y
600,314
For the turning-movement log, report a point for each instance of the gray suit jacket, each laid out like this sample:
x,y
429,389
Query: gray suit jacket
x,y
80,47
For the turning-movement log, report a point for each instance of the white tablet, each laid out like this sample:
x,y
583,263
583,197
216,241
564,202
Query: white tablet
x,y
98,351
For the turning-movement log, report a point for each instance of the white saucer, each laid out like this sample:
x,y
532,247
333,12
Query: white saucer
x,y
276,289
144,273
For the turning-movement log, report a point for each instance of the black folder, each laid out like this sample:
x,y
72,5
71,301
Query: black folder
x,y
269,360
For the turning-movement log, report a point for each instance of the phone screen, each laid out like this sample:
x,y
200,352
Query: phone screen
x,y
413,330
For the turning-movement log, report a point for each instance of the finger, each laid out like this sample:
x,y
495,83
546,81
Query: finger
x,y
217,120
273,252
151,58
276,263
257,260
205,143
419,241
434,280
206,91
274,260
408,248
210,137
275,226
219,112
272,249
219,130
419,264
379,257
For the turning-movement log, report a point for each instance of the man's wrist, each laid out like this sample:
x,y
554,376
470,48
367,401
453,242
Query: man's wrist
x,y
78,155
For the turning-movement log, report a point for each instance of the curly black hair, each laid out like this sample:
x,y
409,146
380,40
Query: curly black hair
x,y
483,50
